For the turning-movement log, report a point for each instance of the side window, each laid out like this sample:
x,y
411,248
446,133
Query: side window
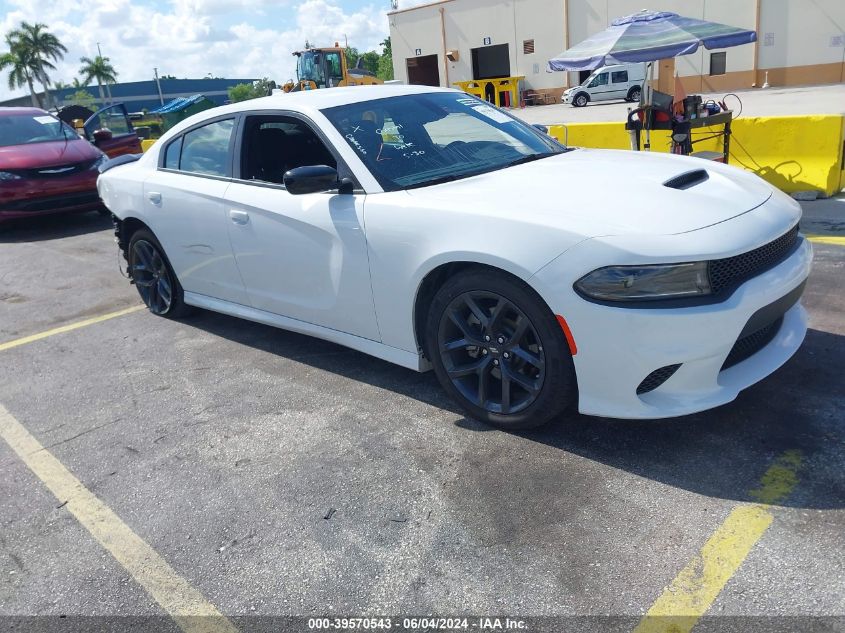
x,y
619,77
599,80
334,67
171,154
205,150
114,119
273,145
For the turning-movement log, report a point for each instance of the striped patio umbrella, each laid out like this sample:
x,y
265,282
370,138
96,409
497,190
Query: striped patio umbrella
x,y
649,36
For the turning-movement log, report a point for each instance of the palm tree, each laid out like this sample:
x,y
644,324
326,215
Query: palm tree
x,y
19,62
42,49
99,68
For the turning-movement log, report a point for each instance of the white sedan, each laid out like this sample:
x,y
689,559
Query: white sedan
x,y
432,230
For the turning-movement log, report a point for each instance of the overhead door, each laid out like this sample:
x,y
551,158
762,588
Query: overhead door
x,y
423,70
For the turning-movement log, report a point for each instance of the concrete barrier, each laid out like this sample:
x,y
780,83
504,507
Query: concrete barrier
x,y
793,153
147,143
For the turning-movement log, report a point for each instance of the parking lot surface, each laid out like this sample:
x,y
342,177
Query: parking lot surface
x,y
775,101
276,474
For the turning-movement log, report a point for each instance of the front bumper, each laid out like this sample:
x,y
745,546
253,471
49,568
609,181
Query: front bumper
x,y
619,347
43,196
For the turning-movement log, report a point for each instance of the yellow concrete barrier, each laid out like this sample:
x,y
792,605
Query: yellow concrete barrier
x,y
147,143
793,153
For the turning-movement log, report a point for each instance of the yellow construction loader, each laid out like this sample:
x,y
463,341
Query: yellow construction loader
x,y
327,68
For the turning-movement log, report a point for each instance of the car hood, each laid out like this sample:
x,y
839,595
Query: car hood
x,y
51,154
607,192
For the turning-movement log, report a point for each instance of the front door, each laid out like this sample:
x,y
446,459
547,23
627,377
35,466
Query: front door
x,y
300,256
111,131
599,88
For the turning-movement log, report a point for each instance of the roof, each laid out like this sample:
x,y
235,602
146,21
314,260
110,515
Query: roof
x,y
306,102
330,97
179,104
419,6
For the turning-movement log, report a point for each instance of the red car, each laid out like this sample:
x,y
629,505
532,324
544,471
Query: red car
x,y
46,167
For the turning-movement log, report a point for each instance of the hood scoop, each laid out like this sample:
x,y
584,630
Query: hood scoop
x,y
687,179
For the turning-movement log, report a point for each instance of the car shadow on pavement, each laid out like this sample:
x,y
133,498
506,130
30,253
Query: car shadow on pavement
x,y
53,227
721,453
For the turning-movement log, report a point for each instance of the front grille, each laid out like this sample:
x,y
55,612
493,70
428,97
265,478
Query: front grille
x,y
749,345
51,172
728,273
656,378
50,203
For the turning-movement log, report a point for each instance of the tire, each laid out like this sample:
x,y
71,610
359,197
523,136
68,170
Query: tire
x,y
526,354
634,94
581,99
154,278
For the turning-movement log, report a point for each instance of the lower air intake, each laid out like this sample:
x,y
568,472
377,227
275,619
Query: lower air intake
x,y
749,345
656,378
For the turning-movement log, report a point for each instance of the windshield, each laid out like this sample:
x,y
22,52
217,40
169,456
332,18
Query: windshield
x,y
309,67
23,129
416,140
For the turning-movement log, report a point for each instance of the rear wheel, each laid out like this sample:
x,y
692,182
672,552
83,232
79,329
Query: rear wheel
x,y
634,94
153,277
498,350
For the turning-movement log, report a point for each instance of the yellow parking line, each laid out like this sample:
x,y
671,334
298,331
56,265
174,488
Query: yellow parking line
x,y
187,606
697,586
836,240
68,328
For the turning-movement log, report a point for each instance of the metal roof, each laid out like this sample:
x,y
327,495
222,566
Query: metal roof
x,y
179,104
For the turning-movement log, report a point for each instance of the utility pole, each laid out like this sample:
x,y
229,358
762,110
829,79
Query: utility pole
x,y
158,85
108,88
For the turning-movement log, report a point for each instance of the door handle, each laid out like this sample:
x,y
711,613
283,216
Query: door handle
x,y
154,197
238,217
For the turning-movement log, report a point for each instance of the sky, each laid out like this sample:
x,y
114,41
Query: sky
x,y
192,38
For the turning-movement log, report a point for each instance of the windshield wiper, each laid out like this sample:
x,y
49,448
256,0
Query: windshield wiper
x,y
442,179
531,157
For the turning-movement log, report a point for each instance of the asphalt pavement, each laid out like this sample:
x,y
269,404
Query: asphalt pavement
x,y
277,474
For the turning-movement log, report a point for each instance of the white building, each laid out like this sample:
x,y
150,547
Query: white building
x,y
799,41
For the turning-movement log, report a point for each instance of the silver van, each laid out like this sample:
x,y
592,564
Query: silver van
x,y
623,81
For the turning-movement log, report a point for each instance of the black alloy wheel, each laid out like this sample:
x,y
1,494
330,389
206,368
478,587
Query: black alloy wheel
x,y
491,352
153,277
498,350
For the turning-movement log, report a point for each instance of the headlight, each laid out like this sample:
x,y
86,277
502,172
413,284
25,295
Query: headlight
x,y
646,283
7,175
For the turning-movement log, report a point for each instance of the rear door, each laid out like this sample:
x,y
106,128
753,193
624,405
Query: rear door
x,y
111,131
618,84
185,209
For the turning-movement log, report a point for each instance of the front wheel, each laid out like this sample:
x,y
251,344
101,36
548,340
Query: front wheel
x,y
498,350
580,100
153,277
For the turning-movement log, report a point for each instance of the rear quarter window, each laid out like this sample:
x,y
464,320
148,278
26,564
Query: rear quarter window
x,y
171,154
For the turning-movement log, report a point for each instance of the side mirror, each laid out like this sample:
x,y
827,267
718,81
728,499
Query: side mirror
x,y
103,134
313,179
